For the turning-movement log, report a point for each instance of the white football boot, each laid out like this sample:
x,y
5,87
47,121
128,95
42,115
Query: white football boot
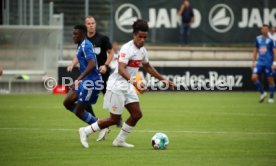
x,y
262,97
83,138
119,143
102,134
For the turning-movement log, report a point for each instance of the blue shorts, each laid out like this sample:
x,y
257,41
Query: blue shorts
x,y
266,70
87,95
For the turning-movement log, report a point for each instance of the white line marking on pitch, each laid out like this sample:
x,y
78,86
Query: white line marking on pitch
x,y
154,131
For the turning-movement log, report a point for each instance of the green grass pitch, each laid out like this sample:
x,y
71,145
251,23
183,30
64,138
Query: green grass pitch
x,y
205,129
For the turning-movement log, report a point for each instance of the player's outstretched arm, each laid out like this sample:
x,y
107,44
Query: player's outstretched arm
x,y
152,71
73,64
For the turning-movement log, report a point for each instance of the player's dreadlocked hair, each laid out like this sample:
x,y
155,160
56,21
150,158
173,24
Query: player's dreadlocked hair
x,y
140,25
81,28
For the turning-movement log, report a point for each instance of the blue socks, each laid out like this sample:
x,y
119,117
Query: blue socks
x,y
88,118
259,86
271,90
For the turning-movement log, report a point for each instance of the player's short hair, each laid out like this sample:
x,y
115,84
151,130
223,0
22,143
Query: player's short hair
x,y
81,27
140,25
265,25
89,17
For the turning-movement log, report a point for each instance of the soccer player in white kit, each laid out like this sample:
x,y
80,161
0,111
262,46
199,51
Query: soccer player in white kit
x,y
120,88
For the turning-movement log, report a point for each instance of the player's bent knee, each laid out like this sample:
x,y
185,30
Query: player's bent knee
x,y
140,115
137,116
66,105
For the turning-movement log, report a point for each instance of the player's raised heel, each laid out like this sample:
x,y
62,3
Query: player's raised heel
x,y
102,134
83,138
118,143
262,98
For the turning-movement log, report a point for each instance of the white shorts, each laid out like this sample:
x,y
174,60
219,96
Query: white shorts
x,y
115,101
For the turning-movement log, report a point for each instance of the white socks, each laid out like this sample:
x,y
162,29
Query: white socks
x,y
92,128
122,136
125,130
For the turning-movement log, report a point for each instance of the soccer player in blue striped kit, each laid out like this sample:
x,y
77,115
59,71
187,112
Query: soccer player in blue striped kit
x,y
266,62
86,88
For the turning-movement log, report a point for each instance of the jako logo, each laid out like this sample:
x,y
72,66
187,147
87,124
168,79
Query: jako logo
x,y
125,16
221,18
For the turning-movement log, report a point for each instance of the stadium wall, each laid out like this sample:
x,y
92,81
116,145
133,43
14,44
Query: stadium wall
x,y
216,21
27,55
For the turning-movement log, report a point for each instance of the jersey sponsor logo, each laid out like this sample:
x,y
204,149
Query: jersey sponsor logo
x,y
125,16
263,50
134,63
97,50
123,55
221,18
114,108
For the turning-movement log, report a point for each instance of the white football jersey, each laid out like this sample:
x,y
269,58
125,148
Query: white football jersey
x,y
133,57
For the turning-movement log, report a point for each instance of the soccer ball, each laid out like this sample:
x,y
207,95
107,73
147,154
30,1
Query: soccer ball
x,y
159,141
